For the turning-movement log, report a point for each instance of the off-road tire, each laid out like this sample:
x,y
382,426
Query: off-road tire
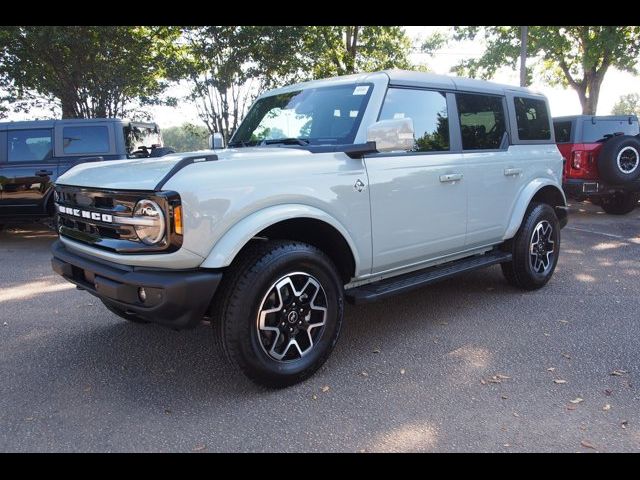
x,y
520,272
619,160
619,203
242,294
130,317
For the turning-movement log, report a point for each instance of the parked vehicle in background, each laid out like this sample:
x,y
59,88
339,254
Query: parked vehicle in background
x,y
356,188
33,154
602,160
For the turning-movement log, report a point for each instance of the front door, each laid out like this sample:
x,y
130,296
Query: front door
x,y
418,198
28,172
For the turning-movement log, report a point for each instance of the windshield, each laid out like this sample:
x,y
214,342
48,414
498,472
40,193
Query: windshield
x,y
311,116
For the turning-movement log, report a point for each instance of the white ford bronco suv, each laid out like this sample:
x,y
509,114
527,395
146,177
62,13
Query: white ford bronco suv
x,y
355,187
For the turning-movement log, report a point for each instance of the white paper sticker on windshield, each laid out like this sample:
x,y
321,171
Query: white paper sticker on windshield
x,y
398,115
361,90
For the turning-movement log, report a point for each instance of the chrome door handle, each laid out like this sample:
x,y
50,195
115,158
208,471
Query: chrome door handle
x,y
512,171
451,177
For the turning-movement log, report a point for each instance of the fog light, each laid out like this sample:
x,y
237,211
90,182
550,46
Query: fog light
x,y
142,294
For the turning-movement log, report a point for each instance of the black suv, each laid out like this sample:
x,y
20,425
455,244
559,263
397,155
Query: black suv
x,y
33,154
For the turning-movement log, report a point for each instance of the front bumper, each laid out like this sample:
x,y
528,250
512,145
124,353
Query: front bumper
x,y
178,299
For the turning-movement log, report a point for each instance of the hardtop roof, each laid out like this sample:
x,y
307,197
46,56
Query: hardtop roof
x,y
34,124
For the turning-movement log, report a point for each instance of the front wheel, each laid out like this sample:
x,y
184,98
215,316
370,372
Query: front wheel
x,y
278,312
619,203
534,248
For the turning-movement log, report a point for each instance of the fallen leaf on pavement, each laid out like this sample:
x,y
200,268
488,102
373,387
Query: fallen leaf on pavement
x,y
606,407
199,447
315,397
608,393
557,380
504,397
516,414
167,411
571,407
551,369
502,377
377,350
364,374
482,381
587,444
402,371
624,424
563,321
566,355
618,373
28,419
547,334
575,401
325,388
506,445
444,323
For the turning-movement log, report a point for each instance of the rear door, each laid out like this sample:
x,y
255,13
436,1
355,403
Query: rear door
x,y
28,170
494,170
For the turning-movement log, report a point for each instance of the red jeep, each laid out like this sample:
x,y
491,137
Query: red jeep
x,y
602,160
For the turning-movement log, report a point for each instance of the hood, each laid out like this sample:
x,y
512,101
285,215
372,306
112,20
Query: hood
x,y
146,173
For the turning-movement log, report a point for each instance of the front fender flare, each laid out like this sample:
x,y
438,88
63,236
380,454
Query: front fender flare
x,y
524,199
234,239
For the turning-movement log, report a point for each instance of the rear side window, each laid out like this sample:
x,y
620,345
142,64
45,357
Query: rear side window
x,y
482,121
562,131
85,139
427,109
29,145
595,132
532,119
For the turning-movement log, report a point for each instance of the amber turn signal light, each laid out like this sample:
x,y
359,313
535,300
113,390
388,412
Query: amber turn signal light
x,y
177,219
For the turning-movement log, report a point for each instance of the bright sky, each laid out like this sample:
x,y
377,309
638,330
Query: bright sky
x,y
562,101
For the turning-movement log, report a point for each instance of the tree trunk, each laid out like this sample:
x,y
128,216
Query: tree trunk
x,y
589,92
68,108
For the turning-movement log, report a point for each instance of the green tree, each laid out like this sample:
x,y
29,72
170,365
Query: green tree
x,y
627,105
341,50
86,71
574,56
227,66
186,137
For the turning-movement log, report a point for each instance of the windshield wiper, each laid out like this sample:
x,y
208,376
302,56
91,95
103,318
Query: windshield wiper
x,y
286,141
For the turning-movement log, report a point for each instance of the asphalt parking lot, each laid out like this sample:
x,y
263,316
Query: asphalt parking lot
x,y
469,364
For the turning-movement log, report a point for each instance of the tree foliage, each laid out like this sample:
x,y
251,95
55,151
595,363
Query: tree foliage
x,y
186,137
627,105
574,56
227,66
86,71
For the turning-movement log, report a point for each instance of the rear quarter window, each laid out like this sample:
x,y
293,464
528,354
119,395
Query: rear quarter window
x,y
532,119
562,131
89,139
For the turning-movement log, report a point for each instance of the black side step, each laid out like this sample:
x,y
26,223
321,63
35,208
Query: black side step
x,y
409,281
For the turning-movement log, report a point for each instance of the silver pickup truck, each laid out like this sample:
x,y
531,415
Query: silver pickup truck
x,y
356,187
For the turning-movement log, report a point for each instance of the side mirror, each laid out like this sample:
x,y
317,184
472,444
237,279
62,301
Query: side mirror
x,y
216,141
392,135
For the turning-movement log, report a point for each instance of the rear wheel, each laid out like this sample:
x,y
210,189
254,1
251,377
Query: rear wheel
x,y
619,203
534,248
131,317
278,313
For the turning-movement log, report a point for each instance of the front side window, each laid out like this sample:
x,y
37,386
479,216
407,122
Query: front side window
x,y
427,109
313,116
482,121
87,139
29,145
141,139
532,119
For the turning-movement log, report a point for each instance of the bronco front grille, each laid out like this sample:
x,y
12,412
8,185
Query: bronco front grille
x,y
99,218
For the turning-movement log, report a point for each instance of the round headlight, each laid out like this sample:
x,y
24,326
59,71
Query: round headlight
x,y
149,222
